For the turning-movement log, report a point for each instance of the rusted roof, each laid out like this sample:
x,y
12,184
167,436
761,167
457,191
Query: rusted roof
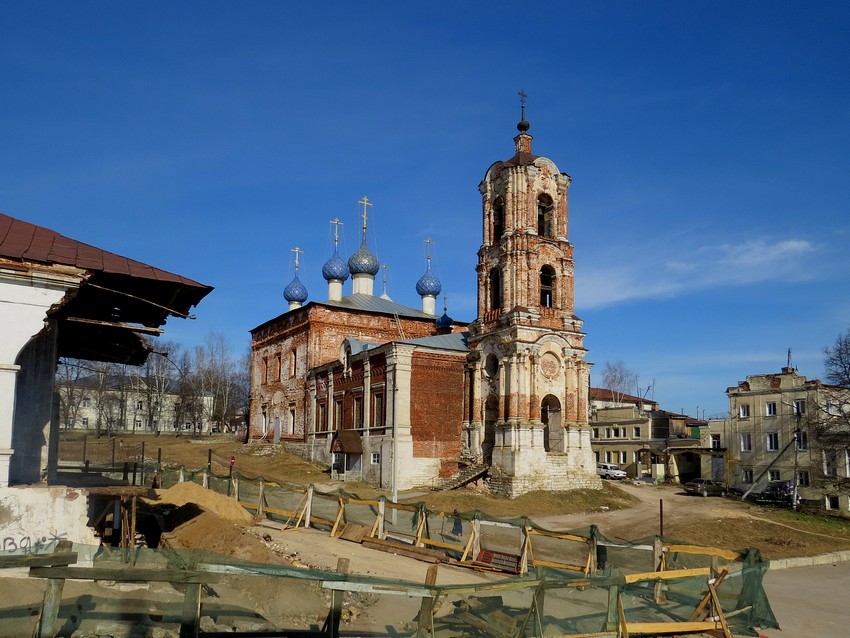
x,y
347,441
96,322
521,159
23,241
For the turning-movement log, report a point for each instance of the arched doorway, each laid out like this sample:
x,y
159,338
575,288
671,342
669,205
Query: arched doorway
x,y
553,431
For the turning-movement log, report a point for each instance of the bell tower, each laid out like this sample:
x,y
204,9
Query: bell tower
x,y
527,375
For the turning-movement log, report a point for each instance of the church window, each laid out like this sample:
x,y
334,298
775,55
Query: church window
x,y
278,366
547,284
264,371
377,410
321,418
545,216
498,219
495,289
292,362
338,414
358,412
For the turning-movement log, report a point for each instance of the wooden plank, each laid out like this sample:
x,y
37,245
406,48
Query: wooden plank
x,y
409,552
704,551
38,560
353,532
331,626
124,575
566,537
672,574
425,618
548,563
655,628
436,543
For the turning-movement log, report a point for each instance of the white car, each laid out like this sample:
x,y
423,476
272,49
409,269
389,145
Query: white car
x,y
609,471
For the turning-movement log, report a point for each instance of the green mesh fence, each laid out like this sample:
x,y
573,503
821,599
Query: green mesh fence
x,y
241,596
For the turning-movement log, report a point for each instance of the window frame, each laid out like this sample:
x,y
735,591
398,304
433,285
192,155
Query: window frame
x,y
746,441
771,441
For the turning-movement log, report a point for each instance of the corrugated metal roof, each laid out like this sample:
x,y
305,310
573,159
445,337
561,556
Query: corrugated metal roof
x,y
371,303
20,240
453,341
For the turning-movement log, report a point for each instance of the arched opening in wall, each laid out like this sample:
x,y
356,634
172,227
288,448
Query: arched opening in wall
x,y
545,216
495,289
498,219
491,415
276,435
553,430
290,430
491,365
547,287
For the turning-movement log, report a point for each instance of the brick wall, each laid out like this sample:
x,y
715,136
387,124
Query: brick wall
x,y
436,404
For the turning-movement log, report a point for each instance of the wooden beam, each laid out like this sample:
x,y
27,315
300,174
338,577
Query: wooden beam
x,y
124,575
672,574
704,551
117,324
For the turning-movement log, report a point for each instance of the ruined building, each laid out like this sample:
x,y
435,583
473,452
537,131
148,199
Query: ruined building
x,y
399,397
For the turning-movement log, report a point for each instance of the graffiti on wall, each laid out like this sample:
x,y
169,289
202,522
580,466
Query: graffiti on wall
x,y
26,543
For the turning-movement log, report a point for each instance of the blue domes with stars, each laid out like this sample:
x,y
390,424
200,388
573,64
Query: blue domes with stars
x,y
428,284
295,291
363,261
335,268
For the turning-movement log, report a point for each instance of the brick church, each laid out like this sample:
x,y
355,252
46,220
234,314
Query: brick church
x,y
399,397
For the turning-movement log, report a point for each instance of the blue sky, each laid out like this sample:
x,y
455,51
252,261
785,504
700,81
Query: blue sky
x,y
708,143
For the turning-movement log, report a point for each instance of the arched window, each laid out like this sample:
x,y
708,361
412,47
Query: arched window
x,y
498,219
545,216
547,287
495,289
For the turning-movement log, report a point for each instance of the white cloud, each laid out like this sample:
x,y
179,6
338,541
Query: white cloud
x,y
650,272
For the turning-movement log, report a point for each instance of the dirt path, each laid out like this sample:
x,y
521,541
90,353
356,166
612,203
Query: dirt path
x,y
644,518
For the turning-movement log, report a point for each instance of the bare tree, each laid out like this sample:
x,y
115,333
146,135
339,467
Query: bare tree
x,y
69,374
220,380
617,378
829,425
153,381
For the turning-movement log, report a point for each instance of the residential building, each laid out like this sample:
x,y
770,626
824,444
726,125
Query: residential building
x,y
776,425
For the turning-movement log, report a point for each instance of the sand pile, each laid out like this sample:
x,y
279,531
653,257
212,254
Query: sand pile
x,y
209,501
211,532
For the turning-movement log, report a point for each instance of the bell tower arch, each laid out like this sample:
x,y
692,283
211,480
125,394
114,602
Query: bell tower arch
x,y
526,320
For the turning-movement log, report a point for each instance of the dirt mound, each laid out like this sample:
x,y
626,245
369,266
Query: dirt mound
x,y
211,532
187,492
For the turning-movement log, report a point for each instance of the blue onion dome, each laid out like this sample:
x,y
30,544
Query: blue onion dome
x,y
363,261
295,291
428,284
445,321
335,268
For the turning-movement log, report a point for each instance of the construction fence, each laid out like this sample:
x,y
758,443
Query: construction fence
x,y
564,583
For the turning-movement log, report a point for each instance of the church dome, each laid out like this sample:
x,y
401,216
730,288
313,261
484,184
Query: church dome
x,y
428,284
295,291
335,268
445,321
363,261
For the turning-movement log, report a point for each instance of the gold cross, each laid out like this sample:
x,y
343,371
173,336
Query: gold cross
x,y
365,201
522,95
297,251
335,221
428,248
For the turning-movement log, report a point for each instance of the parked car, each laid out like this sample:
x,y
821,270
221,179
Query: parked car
x,y
609,471
775,493
704,487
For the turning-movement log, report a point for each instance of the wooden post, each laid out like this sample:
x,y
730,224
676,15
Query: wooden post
x,y
382,512
425,619
525,550
308,508
50,607
611,618
113,451
190,619
236,488
261,510
142,480
476,544
159,467
331,627
85,449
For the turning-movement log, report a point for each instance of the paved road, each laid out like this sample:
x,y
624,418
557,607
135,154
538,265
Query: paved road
x,y
810,602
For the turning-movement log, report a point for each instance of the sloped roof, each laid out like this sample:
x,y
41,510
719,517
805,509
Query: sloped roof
x,y
371,303
458,341
96,321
